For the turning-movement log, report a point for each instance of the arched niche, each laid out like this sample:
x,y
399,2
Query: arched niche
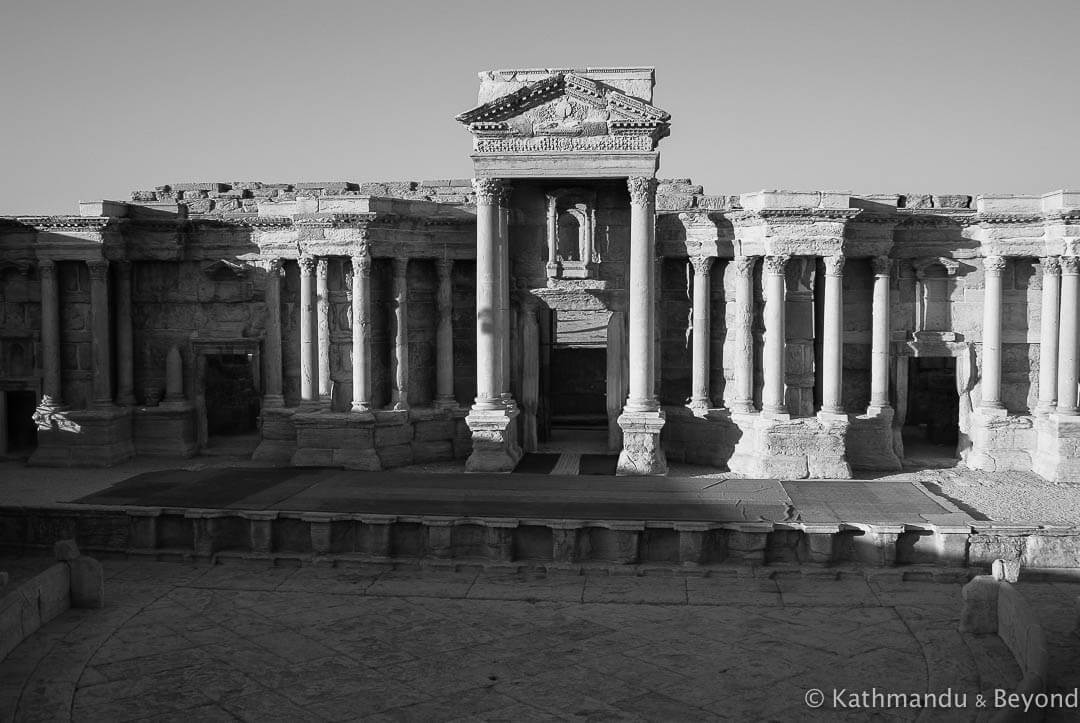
x,y
571,223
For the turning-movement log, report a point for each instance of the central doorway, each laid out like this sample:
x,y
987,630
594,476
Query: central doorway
x,y
931,429
574,382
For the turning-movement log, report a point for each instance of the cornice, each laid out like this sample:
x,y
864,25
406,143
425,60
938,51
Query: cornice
x,y
68,223
796,214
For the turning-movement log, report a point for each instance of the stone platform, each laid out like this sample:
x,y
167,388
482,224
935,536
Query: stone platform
x,y
553,519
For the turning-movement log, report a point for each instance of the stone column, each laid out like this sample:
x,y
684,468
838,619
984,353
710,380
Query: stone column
x,y
50,334
399,362
699,387
530,375
553,237
272,386
309,352
361,330
1048,335
774,362
832,362
504,293
125,345
322,301
490,420
991,346
444,337
642,418
1069,336
879,340
744,335
100,343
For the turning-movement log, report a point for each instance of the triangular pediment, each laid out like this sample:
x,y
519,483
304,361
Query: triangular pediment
x,y
564,104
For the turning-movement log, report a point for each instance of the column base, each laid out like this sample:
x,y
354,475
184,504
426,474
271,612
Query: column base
x,y
700,407
641,452
494,439
1057,456
1000,442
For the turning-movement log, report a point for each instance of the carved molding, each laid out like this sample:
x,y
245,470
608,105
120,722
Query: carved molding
x,y
543,144
642,190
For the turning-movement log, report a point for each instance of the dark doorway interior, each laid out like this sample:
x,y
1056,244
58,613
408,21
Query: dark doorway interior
x,y
932,425
232,401
578,387
21,431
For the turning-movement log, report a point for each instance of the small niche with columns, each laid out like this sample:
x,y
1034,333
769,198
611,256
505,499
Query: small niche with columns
x,y
571,220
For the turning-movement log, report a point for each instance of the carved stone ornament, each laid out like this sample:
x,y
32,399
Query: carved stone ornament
x,y
702,265
307,265
882,265
1070,264
744,265
488,190
275,266
1051,266
834,265
322,269
776,264
361,262
994,264
642,189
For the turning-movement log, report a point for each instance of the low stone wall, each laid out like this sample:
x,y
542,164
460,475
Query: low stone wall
x,y
1001,442
368,441
74,581
993,605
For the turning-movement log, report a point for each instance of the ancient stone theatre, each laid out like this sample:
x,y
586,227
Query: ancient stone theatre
x,y
371,325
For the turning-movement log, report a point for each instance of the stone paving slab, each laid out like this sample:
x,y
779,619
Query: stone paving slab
x,y
261,642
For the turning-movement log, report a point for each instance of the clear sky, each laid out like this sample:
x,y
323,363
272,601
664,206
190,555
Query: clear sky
x,y
100,98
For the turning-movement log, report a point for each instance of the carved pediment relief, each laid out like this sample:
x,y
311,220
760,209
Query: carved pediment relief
x,y
545,114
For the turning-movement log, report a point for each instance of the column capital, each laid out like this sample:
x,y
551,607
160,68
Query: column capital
x,y
361,263
47,268
322,268
642,190
488,190
1051,266
307,265
834,265
994,264
882,265
274,265
776,265
1070,265
98,269
744,265
702,264
505,191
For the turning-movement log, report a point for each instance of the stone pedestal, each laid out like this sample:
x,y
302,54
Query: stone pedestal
x,y
335,439
641,452
167,430
494,444
1057,456
870,440
802,448
278,436
1000,441
83,438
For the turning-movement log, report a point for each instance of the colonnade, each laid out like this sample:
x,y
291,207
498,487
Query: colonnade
x,y
314,313
774,284
1059,334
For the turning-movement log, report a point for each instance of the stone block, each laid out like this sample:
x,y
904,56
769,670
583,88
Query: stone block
x,y
66,550
774,466
87,583
432,451
983,549
1043,550
397,455
390,435
980,611
436,429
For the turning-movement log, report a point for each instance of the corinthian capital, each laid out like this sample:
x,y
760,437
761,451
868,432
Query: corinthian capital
x,y
322,269
307,265
1070,264
776,264
642,189
98,269
834,265
702,264
882,265
361,262
488,190
1051,266
994,264
744,265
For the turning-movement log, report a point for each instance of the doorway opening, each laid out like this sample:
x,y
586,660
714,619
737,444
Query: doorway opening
x,y
232,398
932,426
20,438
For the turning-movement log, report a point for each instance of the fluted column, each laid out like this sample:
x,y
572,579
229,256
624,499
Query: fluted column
x,y
50,334
272,387
309,351
699,386
399,362
444,336
487,283
1048,335
879,339
125,345
991,346
100,343
361,329
832,342
774,362
322,310
1069,336
642,292
744,334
